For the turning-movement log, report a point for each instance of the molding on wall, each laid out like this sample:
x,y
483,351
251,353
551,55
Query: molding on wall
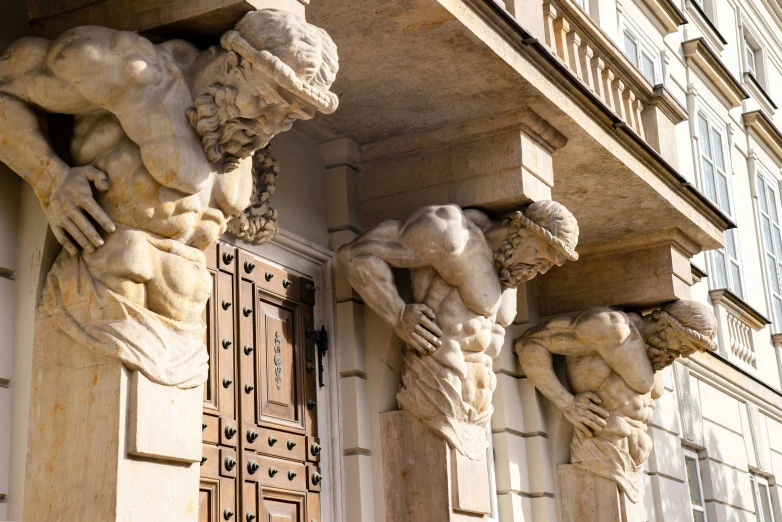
x,y
699,54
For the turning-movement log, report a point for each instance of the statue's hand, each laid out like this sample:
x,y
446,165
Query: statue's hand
x,y
417,328
584,413
70,205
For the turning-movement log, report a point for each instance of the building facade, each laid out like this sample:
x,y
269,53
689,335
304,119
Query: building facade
x,y
652,121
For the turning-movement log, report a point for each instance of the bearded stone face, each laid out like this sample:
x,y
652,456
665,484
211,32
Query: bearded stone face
x,y
227,137
664,346
528,256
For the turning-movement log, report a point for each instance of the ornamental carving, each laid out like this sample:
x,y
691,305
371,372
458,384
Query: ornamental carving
x,y
612,363
464,269
162,143
258,222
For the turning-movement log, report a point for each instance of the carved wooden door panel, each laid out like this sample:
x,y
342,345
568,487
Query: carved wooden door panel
x,y
261,449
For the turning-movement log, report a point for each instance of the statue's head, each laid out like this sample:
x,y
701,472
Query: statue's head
x,y
544,235
277,69
683,328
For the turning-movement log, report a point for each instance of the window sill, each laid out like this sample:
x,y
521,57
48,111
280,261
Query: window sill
x,y
763,130
753,318
706,26
697,53
666,14
759,93
737,324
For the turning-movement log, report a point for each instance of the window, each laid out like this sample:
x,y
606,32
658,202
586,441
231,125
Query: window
x,y
753,58
581,3
695,485
749,54
761,497
641,53
715,183
768,208
707,8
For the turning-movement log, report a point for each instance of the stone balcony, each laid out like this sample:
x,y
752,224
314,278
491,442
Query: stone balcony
x,y
650,111
738,325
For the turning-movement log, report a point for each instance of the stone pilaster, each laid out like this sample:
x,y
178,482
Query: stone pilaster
x,y
344,224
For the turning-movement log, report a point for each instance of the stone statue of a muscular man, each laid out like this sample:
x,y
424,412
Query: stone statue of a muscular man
x,y
160,161
612,360
464,269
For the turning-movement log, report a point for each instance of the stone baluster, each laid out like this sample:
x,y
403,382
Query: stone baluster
x,y
550,15
617,92
561,30
628,105
586,55
598,66
573,42
608,88
638,108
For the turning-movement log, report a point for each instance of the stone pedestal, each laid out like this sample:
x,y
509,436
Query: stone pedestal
x,y
105,443
586,497
426,479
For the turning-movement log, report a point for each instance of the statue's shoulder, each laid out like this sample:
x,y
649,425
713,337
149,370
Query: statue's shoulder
x,y
437,229
122,55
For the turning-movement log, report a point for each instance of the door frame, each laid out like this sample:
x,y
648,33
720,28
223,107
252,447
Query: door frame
x,y
296,254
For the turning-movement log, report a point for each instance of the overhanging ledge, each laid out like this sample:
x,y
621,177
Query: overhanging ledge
x,y
435,65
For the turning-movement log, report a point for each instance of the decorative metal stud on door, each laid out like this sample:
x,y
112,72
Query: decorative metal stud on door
x,y
261,453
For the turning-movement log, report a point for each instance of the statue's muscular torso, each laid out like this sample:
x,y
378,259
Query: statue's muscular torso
x,y
166,199
463,290
630,410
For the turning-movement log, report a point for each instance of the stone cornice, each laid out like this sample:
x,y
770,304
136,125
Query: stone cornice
x,y
762,129
700,55
666,13
739,308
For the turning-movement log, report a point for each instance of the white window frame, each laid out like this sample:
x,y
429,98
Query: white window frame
x,y
756,481
750,59
752,47
689,454
644,46
714,192
769,219
583,4
707,6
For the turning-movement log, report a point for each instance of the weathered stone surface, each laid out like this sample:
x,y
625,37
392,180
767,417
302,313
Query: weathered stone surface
x,y
613,364
199,18
464,269
643,273
498,170
77,465
160,163
426,479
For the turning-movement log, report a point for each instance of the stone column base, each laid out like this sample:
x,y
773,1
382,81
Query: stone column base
x,y
586,497
105,443
426,479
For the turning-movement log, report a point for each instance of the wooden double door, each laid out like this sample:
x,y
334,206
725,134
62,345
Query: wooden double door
x,y
261,451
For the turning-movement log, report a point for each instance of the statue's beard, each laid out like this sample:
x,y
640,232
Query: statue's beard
x,y
215,119
659,354
516,274
512,275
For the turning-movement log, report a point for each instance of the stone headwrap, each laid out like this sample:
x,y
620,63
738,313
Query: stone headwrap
x,y
554,224
313,75
695,321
